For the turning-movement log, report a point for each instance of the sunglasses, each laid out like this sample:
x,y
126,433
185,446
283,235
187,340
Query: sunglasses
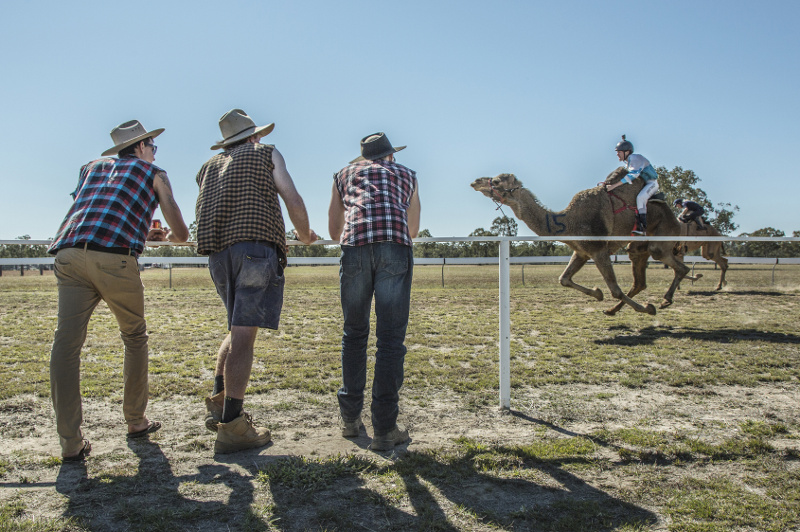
x,y
155,148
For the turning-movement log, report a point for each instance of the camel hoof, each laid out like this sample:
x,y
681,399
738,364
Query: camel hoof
x,y
698,276
650,309
598,294
610,312
665,303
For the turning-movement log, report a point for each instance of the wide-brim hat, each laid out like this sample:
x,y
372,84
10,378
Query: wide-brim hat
x,y
128,134
376,146
235,125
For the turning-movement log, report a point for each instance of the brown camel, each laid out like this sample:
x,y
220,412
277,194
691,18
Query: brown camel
x,y
708,250
597,212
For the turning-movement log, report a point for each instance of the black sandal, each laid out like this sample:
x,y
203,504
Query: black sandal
x,y
151,427
82,454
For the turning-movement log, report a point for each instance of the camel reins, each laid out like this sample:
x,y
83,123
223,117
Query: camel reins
x,y
625,206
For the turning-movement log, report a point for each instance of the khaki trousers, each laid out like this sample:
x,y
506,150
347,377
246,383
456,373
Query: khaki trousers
x,y
84,278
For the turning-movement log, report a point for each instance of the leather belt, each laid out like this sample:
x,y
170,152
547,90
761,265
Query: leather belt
x,y
104,249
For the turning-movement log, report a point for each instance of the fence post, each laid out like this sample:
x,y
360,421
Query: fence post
x,y
773,271
505,326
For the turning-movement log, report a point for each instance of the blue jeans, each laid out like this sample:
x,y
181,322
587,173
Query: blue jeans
x,y
384,269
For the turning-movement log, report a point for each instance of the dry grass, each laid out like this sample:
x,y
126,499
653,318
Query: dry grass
x,y
687,420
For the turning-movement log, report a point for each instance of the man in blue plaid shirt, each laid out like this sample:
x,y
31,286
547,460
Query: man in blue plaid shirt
x,y
96,251
374,213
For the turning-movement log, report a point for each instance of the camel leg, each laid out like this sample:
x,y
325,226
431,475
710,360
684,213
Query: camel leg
x,y
603,263
576,262
639,268
711,252
681,272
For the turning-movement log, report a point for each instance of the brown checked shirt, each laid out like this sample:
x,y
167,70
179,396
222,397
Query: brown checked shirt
x,y
238,200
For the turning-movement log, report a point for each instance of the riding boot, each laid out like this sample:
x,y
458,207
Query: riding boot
x,y
641,224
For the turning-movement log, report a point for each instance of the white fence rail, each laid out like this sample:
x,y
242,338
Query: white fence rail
x,y
504,261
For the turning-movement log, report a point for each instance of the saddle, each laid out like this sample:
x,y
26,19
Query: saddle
x,y
658,197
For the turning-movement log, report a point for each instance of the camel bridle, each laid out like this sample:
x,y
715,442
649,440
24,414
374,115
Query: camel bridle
x,y
496,191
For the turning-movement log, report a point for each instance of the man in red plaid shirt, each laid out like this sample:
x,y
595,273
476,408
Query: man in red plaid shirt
x,y
374,213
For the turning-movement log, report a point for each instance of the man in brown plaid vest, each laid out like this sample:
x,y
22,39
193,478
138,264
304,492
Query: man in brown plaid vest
x,y
240,227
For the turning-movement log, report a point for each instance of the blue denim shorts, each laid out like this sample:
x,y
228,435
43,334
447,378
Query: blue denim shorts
x,y
249,279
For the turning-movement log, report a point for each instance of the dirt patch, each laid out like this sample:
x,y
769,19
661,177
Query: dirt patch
x,y
180,459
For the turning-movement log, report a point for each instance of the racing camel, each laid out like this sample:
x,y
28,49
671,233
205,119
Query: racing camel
x,y
598,212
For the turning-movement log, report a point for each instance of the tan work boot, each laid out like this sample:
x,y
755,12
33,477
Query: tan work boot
x,y
351,429
386,442
214,406
240,434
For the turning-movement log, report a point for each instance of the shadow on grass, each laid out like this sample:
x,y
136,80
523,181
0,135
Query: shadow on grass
x,y
149,499
747,293
648,335
445,491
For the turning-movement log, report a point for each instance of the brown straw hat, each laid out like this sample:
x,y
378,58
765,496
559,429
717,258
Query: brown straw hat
x,y
235,125
374,147
128,134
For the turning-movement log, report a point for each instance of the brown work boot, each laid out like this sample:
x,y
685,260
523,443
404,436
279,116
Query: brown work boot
x,y
240,434
214,406
386,442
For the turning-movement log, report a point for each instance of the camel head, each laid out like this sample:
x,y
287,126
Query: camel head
x,y
498,188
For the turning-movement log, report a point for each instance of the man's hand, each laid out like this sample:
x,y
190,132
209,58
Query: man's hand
x,y
310,239
157,234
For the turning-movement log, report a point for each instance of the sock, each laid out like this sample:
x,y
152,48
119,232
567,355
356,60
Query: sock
x,y
219,384
231,409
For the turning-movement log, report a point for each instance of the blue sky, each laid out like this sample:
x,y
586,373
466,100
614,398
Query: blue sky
x,y
539,89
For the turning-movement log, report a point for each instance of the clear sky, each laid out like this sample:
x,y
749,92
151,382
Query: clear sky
x,y
474,88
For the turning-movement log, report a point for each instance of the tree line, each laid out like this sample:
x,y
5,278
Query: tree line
x,y
675,183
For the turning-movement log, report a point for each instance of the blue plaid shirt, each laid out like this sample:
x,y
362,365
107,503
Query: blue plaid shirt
x,y
114,205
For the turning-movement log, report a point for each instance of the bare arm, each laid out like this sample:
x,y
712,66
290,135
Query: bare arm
x,y
178,232
291,198
413,214
335,214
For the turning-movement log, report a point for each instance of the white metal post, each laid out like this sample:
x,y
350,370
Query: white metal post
x,y
505,325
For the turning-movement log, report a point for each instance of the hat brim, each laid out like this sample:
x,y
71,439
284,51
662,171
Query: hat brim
x,y
119,147
362,158
263,131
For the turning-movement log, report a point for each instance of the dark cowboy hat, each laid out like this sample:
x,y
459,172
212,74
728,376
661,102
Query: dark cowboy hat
x,y
374,147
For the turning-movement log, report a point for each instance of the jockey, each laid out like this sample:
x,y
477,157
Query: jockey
x,y
637,166
692,212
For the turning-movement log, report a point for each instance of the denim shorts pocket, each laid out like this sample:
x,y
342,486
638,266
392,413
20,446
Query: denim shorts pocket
x,y
256,272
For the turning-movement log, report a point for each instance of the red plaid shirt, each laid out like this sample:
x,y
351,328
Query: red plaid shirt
x,y
376,196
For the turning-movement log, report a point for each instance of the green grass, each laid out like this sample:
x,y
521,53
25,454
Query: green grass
x,y
559,336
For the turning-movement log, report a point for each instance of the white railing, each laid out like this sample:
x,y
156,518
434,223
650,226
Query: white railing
x,y
504,260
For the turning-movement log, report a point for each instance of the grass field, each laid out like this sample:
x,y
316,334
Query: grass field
x,y
688,420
